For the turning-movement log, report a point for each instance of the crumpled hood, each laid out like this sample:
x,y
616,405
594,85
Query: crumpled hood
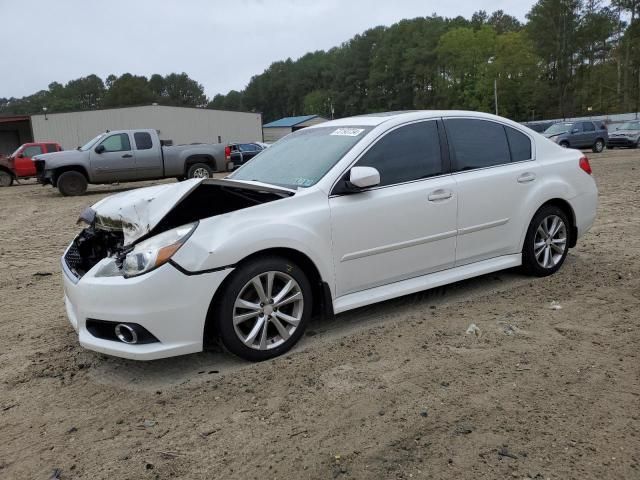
x,y
137,212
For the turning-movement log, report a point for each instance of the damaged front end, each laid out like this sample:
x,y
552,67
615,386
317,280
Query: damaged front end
x,y
141,229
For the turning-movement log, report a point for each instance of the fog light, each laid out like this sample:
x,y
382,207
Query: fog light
x,y
126,334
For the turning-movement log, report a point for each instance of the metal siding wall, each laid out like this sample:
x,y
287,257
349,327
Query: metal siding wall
x,y
182,125
313,121
273,134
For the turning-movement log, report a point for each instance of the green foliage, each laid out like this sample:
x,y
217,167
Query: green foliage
x,y
572,57
90,93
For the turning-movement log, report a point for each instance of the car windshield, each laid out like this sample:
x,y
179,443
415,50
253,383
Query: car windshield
x,y
630,126
302,158
559,128
91,142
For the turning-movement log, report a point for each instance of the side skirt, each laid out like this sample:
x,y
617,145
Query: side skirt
x,y
425,282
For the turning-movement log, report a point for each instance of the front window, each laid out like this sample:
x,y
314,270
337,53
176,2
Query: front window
x,y
117,143
91,142
559,128
302,158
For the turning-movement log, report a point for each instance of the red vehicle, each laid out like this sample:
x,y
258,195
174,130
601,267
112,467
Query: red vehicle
x,y
20,163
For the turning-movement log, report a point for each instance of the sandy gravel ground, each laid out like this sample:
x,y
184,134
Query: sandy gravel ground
x,y
396,390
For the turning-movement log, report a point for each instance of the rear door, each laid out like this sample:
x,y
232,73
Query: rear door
x,y
494,170
406,226
589,134
24,165
117,162
148,156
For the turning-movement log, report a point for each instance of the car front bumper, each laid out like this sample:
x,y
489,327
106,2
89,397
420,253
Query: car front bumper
x,y
621,142
172,306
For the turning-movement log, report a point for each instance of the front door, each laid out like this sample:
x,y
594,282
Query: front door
x,y
23,163
406,226
117,162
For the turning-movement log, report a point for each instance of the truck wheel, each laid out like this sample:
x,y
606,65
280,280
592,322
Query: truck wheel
x,y
200,170
6,179
72,183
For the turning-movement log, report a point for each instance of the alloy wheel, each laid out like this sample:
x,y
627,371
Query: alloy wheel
x,y
268,310
550,241
200,173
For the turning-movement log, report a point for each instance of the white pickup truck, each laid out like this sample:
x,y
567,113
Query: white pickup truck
x,y
127,156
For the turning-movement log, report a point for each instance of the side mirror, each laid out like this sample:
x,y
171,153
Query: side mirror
x,y
99,149
575,130
21,155
364,177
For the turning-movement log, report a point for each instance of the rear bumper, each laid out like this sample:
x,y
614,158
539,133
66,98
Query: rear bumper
x,y
585,207
172,306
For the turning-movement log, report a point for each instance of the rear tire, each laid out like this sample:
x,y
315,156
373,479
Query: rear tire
x,y
261,325
547,242
72,183
200,170
6,179
598,147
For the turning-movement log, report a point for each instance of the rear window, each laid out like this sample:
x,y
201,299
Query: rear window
x,y
52,147
143,140
477,143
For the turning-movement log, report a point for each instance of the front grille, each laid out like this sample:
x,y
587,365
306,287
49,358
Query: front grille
x,y
39,167
73,259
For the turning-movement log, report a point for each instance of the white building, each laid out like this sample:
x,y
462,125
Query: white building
x,y
182,125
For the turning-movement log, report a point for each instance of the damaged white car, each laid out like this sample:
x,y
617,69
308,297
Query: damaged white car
x,y
331,218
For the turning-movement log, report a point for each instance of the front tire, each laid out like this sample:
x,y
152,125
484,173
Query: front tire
x,y
72,183
547,242
200,170
264,309
6,179
598,147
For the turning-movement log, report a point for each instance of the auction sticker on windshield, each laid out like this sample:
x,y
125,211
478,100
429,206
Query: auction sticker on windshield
x,y
348,132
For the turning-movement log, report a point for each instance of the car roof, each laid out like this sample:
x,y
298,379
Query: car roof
x,y
375,119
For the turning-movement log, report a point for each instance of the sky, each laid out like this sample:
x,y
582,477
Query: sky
x,y
219,43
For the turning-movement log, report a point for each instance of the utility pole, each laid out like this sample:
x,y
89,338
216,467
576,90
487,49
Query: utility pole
x,y
495,92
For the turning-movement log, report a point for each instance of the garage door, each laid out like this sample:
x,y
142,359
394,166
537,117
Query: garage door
x,y
9,141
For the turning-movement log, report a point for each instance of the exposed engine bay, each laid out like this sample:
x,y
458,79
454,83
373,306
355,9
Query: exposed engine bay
x,y
106,234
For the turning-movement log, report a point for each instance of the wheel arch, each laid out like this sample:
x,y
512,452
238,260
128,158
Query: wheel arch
x,y
322,299
568,210
69,168
199,158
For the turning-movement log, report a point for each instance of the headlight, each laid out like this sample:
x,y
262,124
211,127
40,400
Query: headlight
x,y
156,251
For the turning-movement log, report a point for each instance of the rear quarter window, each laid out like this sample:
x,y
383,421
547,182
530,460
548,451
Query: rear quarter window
x,y
519,144
143,140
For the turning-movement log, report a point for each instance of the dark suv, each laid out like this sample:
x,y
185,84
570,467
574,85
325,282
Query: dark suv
x,y
240,153
593,135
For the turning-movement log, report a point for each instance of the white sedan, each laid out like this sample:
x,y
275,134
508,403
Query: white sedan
x,y
333,217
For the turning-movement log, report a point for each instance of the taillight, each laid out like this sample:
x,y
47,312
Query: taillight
x,y
584,165
227,152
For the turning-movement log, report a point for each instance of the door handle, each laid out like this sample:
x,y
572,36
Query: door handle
x,y
440,194
127,155
526,177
